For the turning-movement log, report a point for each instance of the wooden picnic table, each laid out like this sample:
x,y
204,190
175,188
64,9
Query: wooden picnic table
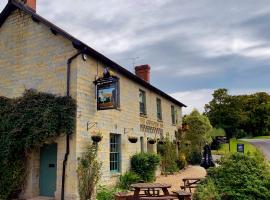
x,y
190,182
150,189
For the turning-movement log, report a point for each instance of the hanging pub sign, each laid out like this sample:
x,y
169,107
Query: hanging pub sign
x,y
107,91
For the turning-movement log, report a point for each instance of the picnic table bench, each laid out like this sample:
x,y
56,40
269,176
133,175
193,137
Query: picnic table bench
x,y
190,183
159,198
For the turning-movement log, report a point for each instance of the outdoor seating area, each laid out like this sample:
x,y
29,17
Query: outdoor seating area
x,y
154,191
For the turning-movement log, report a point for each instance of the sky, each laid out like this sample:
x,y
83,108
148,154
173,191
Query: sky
x,y
193,47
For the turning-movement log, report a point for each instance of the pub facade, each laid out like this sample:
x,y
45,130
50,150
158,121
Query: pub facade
x,y
111,101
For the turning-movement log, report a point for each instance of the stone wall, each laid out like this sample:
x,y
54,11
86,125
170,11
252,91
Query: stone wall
x,y
32,57
116,121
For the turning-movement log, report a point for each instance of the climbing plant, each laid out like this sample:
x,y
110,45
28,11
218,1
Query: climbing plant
x,y
25,123
88,172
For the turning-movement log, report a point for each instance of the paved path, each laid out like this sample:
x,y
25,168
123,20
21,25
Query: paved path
x,y
176,179
262,144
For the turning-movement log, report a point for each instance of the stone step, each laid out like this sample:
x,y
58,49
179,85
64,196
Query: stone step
x,y
42,198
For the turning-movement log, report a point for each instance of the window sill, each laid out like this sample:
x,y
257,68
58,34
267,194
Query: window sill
x,y
160,120
115,174
173,124
143,115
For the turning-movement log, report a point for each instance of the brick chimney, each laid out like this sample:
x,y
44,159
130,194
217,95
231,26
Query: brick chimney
x,y
143,71
29,3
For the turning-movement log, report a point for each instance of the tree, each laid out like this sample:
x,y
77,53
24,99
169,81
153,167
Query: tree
x,y
239,115
196,136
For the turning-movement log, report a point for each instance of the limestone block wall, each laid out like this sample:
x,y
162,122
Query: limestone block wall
x,y
115,121
32,57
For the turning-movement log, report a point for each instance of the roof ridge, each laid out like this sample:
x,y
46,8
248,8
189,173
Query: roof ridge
x,y
78,44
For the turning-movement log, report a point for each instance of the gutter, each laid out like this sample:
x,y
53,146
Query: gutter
x,y
69,61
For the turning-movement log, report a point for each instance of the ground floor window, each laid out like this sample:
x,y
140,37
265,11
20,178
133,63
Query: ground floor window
x,y
114,152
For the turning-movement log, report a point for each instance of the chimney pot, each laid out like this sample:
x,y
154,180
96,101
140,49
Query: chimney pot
x,y
29,3
143,71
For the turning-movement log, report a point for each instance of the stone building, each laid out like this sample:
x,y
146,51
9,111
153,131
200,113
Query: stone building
x,y
37,54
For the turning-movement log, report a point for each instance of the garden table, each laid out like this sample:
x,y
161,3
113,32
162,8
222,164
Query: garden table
x,y
148,188
190,183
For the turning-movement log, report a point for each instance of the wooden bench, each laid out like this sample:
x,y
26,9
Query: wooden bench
x,y
159,198
182,195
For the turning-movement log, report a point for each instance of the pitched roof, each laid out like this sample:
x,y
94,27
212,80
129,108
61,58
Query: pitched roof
x,y
13,5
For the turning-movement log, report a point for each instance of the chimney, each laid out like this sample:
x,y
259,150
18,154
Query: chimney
x,y
143,71
29,3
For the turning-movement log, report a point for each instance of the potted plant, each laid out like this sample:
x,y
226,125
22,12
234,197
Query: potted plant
x,y
161,141
151,141
132,139
96,136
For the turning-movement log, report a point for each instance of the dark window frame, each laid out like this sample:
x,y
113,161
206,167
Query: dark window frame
x,y
173,115
159,109
115,153
142,105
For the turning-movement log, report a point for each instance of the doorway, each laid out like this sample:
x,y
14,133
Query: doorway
x,y
47,173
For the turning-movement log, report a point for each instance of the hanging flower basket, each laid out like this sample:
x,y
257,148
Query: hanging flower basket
x,y
161,141
151,141
132,139
96,136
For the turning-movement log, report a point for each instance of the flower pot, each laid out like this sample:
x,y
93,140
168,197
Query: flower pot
x,y
161,142
133,139
96,138
151,141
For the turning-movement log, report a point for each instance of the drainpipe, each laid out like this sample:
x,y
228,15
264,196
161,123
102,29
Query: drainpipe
x,y
69,61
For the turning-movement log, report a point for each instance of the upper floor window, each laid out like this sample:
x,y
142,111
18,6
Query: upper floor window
x,y
142,100
173,113
159,109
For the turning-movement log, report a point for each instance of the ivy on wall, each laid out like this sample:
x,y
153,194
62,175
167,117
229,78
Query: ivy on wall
x,y
25,123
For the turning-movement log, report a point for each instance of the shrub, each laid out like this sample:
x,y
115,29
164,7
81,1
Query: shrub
x,y
168,157
194,157
88,172
207,191
104,193
181,161
127,179
241,177
145,165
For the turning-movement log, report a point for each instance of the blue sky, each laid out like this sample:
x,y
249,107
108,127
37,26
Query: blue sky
x,y
193,47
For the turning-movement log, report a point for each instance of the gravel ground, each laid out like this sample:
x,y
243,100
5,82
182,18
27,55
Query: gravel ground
x,y
176,179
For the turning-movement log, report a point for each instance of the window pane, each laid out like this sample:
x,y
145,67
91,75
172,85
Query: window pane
x,y
142,102
114,152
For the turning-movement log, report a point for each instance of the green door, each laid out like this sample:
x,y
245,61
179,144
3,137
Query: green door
x,y
47,174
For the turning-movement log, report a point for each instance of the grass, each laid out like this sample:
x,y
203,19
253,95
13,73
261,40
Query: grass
x,y
225,148
258,137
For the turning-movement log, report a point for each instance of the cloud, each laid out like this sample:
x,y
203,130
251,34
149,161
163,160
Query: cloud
x,y
190,45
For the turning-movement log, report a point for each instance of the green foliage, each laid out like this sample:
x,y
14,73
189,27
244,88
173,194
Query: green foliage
x,y
240,115
195,137
194,157
88,172
145,165
168,157
217,132
241,177
207,191
105,193
181,161
27,122
127,179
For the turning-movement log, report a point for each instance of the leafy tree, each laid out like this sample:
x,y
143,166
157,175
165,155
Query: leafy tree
x,y
196,136
239,115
